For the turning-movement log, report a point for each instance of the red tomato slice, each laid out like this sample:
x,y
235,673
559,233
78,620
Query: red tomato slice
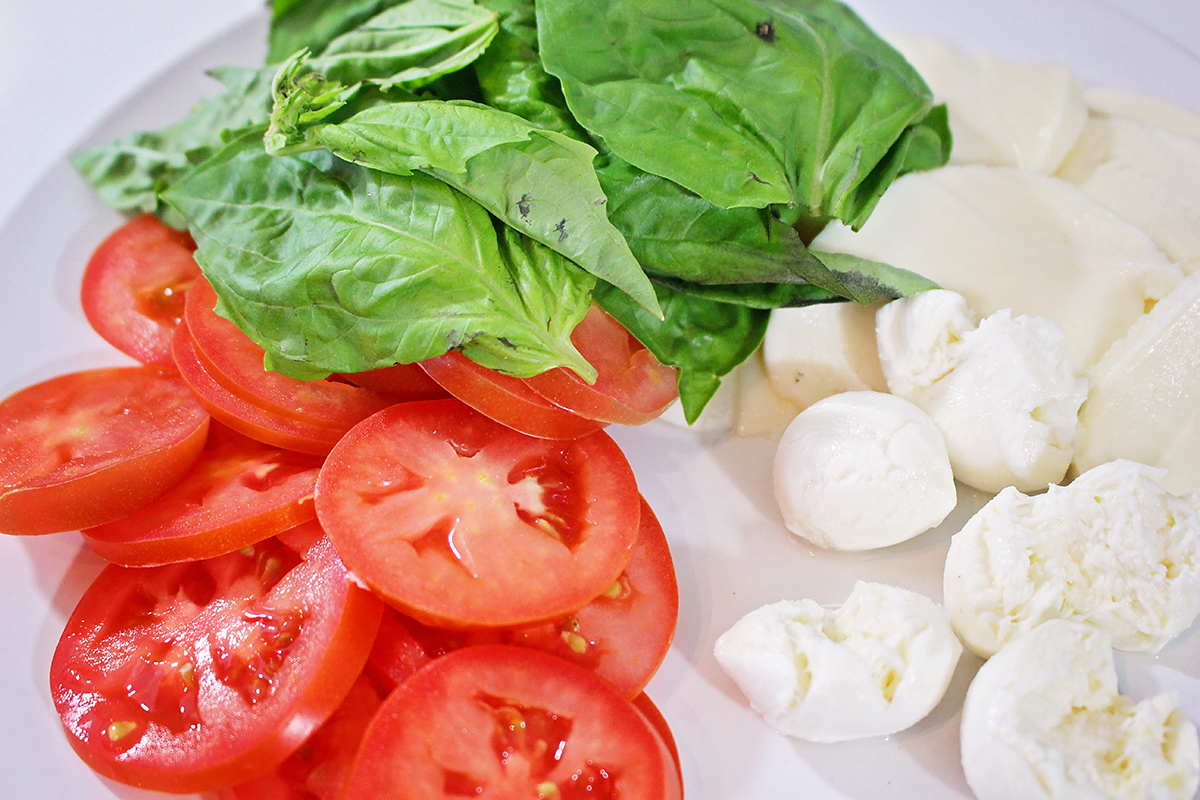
x,y
134,287
90,447
244,417
644,704
507,722
402,383
460,521
239,492
623,635
195,676
505,399
632,387
236,363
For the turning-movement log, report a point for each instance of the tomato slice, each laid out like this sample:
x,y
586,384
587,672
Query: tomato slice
x,y
460,521
646,706
401,383
623,635
236,363
506,399
134,286
632,387
89,447
239,492
190,677
242,416
507,722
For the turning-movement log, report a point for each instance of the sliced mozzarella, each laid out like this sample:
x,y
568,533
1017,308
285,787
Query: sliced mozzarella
x,y
1013,239
760,411
862,470
1112,102
1147,175
1144,397
1000,390
1043,719
1113,548
820,350
1002,113
877,665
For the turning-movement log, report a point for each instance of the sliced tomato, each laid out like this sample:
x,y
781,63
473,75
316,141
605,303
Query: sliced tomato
x,y
89,447
134,287
190,677
402,383
623,635
236,363
507,722
460,521
506,399
318,769
646,706
242,416
239,492
632,387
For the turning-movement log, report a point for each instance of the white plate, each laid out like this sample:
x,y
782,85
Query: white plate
x,y
713,495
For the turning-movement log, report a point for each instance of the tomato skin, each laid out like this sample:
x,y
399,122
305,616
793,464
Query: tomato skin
x,y
196,676
89,447
239,492
402,383
506,399
134,287
500,721
631,388
460,521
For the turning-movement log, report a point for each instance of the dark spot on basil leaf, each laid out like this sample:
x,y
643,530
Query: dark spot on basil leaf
x,y
765,31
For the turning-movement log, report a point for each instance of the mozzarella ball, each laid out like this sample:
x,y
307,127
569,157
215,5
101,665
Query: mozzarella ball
x,y
862,470
877,665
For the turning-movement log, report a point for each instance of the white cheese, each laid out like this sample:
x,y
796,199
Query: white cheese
x,y
1144,397
1112,102
1113,548
862,470
877,665
1007,238
1000,390
820,350
1003,113
760,411
1148,176
1044,719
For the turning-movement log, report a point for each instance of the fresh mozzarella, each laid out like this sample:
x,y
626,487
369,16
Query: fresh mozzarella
x,y
862,470
1113,548
1112,102
999,390
1044,719
1147,175
760,411
877,665
820,350
1002,113
1144,398
1006,238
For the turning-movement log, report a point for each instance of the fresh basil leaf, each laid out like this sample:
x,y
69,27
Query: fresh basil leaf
x,y
704,339
765,296
745,102
129,174
313,24
865,281
331,267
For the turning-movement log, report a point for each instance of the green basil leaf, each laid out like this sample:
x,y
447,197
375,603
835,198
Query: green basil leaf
x,y
313,24
332,267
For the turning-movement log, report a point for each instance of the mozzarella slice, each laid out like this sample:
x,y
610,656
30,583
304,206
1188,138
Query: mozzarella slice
x,y
1002,113
1148,176
1112,102
877,665
1043,719
862,470
1144,400
1000,390
1113,548
1005,238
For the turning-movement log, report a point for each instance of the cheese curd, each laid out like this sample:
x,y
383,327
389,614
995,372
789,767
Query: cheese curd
x,y
1113,548
875,666
1043,719
862,470
1000,390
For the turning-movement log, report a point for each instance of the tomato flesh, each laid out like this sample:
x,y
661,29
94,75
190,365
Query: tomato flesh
x,y
500,721
89,447
239,492
195,676
460,521
134,287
